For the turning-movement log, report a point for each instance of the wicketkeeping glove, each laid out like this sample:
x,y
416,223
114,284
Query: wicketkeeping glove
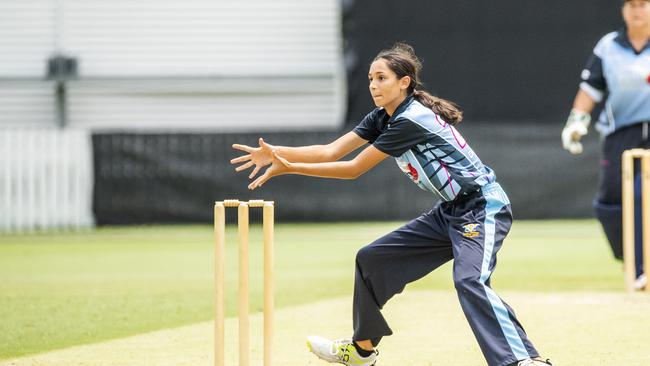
x,y
576,127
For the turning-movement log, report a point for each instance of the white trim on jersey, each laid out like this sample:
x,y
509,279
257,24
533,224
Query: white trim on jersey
x,y
594,93
459,149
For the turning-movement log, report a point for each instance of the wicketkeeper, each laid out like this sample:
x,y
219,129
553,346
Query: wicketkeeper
x,y
618,75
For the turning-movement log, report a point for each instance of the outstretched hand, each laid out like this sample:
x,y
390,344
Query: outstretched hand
x,y
279,166
259,156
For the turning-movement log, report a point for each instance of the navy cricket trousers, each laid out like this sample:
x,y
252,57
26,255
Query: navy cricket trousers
x,y
608,200
470,232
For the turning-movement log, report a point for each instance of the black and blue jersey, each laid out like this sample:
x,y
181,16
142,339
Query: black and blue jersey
x,y
427,149
620,75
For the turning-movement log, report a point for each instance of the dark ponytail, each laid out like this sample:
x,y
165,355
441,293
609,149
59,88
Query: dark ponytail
x,y
403,61
448,110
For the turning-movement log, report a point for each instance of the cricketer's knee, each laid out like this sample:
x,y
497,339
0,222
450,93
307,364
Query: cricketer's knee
x,y
364,255
367,268
467,284
379,277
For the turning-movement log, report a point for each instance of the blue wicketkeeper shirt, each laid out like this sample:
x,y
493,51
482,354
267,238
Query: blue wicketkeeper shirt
x,y
620,75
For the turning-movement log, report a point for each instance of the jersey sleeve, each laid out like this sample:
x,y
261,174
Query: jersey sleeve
x,y
593,80
401,135
368,129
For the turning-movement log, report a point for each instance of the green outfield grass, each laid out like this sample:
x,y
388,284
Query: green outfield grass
x,y
59,290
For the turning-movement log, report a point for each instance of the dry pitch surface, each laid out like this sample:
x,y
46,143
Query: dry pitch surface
x,y
570,328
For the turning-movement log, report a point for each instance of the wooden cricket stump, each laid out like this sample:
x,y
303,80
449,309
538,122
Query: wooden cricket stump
x,y
629,157
219,278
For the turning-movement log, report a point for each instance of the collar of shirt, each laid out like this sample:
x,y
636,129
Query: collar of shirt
x,y
401,107
624,41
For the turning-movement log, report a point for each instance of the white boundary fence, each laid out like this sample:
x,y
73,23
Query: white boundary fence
x,y
46,180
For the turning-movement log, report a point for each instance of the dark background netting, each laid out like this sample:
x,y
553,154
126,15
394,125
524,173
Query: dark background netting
x,y
145,178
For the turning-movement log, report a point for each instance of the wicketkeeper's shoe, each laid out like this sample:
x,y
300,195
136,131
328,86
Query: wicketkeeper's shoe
x,y
534,362
641,282
339,351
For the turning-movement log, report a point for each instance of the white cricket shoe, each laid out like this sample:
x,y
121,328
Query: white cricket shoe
x,y
641,282
531,362
339,351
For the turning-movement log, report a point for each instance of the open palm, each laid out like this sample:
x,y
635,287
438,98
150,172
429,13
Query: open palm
x,y
257,156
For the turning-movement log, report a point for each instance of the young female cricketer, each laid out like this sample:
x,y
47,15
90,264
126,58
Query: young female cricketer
x,y
468,226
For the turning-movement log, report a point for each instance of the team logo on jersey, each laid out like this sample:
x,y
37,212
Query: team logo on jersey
x,y
409,170
470,230
413,172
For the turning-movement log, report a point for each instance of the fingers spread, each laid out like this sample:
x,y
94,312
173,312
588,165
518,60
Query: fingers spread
x,y
242,147
241,159
259,181
244,166
255,171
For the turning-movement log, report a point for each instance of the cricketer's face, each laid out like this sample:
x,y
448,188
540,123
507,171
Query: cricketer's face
x,y
386,89
636,13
